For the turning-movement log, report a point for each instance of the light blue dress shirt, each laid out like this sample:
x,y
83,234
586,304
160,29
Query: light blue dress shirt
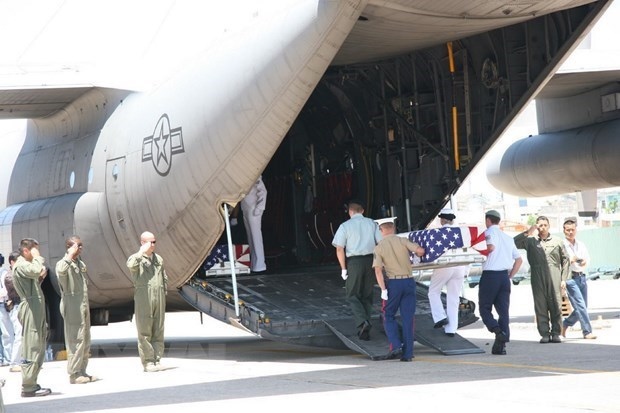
x,y
358,236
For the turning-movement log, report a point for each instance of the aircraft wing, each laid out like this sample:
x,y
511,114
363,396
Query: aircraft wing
x,y
564,85
34,102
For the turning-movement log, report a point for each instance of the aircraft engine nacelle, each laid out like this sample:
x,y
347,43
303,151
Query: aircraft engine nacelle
x,y
555,163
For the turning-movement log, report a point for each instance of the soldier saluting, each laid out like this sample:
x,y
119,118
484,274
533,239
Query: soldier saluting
x,y
28,273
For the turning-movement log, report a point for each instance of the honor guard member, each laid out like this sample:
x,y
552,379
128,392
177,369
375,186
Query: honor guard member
x,y
150,282
74,307
28,273
549,266
392,255
253,206
355,241
452,279
501,265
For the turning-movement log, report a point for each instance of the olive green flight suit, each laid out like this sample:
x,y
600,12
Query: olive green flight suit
x,y
549,265
150,282
32,316
75,310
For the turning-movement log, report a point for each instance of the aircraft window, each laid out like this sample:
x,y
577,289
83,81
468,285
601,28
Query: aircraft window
x,y
115,170
72,179
91,173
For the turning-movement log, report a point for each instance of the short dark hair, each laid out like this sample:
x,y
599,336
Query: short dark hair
x,y
494,220
356,205
71,240
13,256
542,218
28,243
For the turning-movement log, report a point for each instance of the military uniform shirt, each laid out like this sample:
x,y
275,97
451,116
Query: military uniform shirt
x,y
388,254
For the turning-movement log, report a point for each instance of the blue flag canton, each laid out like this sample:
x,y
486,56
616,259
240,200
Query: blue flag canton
x,y
218,254
436,241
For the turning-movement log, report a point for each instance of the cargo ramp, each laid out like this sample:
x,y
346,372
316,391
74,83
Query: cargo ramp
x,y
307,307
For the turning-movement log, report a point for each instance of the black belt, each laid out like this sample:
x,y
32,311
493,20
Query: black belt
x,y
577,274
359,256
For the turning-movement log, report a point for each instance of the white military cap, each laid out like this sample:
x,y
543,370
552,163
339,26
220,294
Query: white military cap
x,y
385,220
447,213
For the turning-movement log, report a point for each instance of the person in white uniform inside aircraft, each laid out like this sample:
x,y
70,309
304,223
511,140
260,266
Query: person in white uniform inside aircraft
x,y
253,206
452,279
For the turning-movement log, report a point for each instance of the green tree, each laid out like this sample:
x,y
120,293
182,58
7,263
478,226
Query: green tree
x,y
613,206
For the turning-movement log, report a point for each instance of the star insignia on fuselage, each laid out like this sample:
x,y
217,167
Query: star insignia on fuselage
x,y
162,144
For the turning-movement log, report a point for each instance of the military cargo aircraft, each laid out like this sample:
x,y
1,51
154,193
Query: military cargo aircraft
x,y
393,102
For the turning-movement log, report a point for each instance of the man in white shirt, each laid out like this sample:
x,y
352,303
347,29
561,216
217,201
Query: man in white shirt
x,y
576,285
501,265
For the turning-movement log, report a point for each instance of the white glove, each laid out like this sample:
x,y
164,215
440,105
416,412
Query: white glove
x,y
257,212
344,274
233,222
384,295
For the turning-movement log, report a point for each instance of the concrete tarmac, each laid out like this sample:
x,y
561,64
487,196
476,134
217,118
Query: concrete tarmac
x,y
216,367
